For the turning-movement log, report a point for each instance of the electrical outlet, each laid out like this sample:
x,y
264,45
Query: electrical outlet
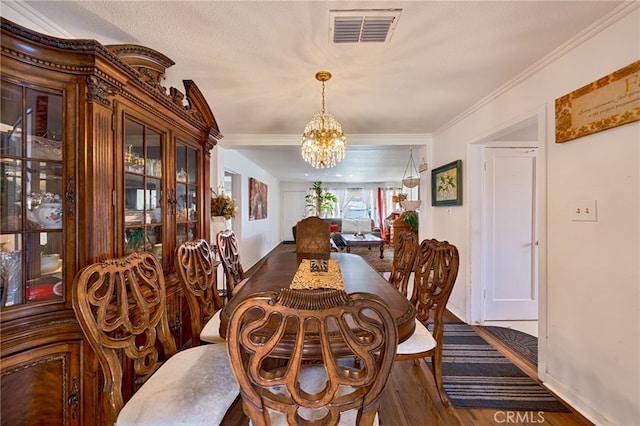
x,y
584,211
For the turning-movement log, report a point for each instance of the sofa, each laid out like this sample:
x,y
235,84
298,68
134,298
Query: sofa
x,y
352,226
339,226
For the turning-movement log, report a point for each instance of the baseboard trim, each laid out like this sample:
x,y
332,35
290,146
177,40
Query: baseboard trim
x,y
576,403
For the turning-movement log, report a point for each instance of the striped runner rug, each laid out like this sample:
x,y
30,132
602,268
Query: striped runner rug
x,y
476,375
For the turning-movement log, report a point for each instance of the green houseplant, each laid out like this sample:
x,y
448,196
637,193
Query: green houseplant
x,y
321,201
410,218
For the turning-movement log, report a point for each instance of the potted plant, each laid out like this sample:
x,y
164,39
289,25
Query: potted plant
x,y
223,205
321,201
410,218
223,209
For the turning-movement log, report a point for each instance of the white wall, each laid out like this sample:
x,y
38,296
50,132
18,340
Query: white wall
x,y
590,271
258,237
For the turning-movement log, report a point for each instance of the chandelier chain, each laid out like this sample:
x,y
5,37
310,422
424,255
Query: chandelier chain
x,y
323,99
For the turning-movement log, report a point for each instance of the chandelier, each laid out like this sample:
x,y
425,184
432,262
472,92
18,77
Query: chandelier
x,y
323,144
410,179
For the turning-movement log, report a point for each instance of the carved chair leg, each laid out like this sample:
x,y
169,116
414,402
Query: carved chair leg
x,y
367,417
436,368
256,416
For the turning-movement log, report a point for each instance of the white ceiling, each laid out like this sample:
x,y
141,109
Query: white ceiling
x,y
255,62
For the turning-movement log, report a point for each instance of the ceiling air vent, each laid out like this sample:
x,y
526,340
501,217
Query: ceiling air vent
x,y
363,25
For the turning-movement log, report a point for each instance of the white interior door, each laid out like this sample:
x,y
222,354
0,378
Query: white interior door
x,y
510,274
293,205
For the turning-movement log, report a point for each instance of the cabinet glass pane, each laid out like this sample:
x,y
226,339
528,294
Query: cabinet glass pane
x,y
44,203
11,270
181,163
11,118
11,190
31,190
187,190
181,203
154,154
44,272
143,189
192,166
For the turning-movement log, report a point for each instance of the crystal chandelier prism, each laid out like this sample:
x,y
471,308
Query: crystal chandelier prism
x,y
323,143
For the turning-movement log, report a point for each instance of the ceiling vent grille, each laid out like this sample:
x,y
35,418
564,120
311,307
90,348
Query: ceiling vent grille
x,y
363,26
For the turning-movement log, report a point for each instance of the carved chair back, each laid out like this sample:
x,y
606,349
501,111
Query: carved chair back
x,y
227,246
121,307
436,269
197,269
321,390
313,239
403,260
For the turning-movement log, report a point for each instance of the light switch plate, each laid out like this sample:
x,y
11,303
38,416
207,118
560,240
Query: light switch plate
x,y
584,211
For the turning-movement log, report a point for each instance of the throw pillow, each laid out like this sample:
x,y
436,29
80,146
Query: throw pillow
x,y
349,226
334,228
364,225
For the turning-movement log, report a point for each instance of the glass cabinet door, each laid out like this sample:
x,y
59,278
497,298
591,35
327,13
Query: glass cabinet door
x,y
31,190
143,218
187,190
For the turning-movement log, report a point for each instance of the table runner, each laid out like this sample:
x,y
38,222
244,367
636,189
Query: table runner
x,y
304,279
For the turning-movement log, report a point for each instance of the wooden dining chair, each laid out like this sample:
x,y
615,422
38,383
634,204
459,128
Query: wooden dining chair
x,y
197,270
338,383
404,256
313,239
229,252
436,269
121,307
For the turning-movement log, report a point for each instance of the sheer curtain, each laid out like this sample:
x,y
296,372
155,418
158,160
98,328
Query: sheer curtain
x,y
385,206
342,199
377,203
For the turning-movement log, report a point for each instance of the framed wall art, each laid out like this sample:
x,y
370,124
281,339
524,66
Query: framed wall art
x,y
610,101
446,185
257,199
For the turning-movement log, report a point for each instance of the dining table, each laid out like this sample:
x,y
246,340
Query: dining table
x,y
278,271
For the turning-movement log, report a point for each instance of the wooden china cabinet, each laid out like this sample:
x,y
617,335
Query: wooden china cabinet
x,y
97,160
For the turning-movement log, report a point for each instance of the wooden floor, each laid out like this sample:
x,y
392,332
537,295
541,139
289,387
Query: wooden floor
x,y
411,398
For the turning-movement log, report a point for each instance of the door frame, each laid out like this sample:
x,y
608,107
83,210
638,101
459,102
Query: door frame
x,y
474,183
284,227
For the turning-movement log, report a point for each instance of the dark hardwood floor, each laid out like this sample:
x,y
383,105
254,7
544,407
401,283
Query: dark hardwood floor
x,y
411,398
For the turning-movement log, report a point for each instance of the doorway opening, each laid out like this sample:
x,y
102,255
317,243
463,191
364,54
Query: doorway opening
x,y
487,263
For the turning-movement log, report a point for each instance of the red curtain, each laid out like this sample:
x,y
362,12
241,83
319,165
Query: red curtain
x,y
380,208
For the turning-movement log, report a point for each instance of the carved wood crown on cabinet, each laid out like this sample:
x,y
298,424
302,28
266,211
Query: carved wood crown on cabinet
x,y
127,162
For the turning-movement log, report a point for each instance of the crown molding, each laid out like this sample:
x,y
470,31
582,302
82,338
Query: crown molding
x,y
23,14
591,31
236,140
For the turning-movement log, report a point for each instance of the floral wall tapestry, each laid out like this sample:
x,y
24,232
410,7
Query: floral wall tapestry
x,y
257,199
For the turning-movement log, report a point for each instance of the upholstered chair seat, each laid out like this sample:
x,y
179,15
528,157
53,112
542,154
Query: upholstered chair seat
x,y
121,305
194,387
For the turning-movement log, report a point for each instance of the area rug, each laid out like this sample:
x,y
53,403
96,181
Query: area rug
x,y
476,375
525,345
373,257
